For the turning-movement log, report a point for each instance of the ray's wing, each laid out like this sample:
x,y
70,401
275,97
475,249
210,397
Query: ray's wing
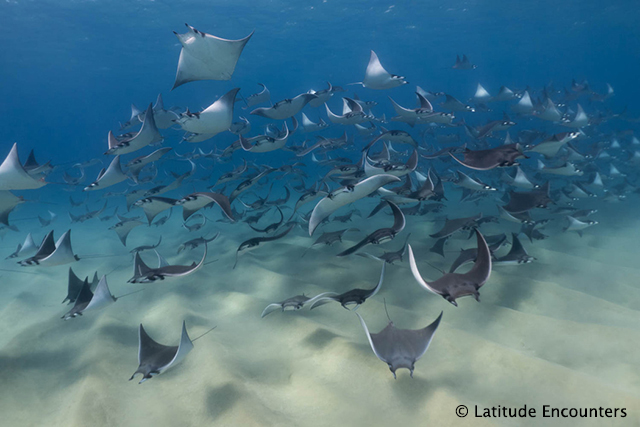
x,y
161,261
153,206
63,253
13,176
185,346
370,256
375,70
361,244
8,201
187,271
85,295
125,229
371,342
139,267
398,218
148,133
270,309
322,299
101,297
319,296
74,287
416,273
417,341
147,347
377,288
108,177
481,269
480,166
220,200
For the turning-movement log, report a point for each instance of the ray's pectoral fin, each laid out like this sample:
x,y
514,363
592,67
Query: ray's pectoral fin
x,y
322,301
417,275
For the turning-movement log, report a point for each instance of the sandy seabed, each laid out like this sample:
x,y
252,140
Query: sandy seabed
x,y
562,331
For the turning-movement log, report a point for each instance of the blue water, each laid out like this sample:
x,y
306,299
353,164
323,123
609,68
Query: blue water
x,y
73,68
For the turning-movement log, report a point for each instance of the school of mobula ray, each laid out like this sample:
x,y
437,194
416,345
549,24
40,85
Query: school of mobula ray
x,y
543,181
